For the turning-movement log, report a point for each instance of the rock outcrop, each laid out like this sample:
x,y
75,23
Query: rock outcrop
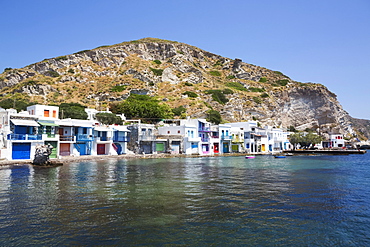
x,y
167,69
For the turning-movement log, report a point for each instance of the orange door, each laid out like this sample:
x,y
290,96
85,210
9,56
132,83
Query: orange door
x,y
65,149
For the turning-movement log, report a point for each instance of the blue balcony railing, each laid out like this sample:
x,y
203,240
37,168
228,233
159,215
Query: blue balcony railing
x,y
205,139
85,137
121,139
226,137
24,137
204,129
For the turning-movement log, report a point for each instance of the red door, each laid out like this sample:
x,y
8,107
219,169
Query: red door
x,y
216,148
101,149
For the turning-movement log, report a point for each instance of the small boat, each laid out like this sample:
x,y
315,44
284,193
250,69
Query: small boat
x,y
279,156
250,157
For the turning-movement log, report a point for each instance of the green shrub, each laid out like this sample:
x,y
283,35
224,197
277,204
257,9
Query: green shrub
x,y
31,82
282,82
61,58
228,91
263,79
71,71
52,73
157,72
256,89
230,77
218,63
278,73
188,84
178,111
236,86
218,95
257,100
215,73
7,69
180,52
190,94
157,62
264,95
118,88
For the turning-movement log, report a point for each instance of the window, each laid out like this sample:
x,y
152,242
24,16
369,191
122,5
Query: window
x,y
178,132
168,132
46,113
54,114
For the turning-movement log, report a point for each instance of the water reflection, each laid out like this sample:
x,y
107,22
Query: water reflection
x,y
187,201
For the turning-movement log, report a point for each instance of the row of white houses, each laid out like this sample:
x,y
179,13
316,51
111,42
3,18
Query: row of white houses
x,y
21,132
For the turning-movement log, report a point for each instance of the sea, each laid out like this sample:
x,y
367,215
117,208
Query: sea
x,y
208,201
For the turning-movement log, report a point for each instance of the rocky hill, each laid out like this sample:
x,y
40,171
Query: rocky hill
x,y
180,75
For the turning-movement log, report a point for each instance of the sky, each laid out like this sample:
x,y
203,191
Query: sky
x,y
320,41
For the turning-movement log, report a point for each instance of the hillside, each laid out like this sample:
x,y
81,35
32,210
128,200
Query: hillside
x,y
180,75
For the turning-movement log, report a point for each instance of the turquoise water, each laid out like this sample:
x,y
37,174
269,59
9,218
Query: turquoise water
x,y
214,201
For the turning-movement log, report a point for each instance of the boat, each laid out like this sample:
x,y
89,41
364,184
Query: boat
x,y
280,156
250,157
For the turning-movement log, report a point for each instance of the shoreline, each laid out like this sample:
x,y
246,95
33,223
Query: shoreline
x,y
70,159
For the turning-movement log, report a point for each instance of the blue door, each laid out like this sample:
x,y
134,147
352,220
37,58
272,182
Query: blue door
x,y
21,151
82,148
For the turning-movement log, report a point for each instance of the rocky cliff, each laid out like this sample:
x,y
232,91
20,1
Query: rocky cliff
x,y
170,70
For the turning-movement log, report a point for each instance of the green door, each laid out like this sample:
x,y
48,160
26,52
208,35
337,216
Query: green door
x,y
159,147
54,151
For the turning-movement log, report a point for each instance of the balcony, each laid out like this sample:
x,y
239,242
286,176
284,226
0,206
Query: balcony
x,y
146,138
26,137
49,136
193,139
226,137
237,139
205,139
121,139
103,139
204,129
85,137
67,138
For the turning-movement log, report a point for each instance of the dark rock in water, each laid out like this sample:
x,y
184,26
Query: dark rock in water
x,y
42,155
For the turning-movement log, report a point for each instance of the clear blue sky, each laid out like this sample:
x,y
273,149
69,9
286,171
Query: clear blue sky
x,y
321,41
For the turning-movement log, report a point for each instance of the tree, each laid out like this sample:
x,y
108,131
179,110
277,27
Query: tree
x,y
291,128
72,110
214,117
178,111
295,138
19,105
142,107
304,139
311,139
108,118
